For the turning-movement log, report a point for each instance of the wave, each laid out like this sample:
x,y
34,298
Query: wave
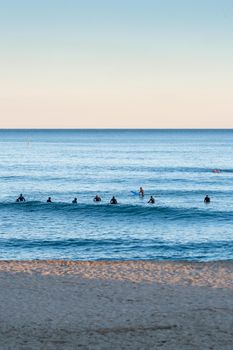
x,y
145,211
121,249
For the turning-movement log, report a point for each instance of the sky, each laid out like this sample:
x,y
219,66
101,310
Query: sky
x,y
116,64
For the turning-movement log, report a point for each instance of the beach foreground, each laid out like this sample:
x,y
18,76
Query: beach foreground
x,y
116,305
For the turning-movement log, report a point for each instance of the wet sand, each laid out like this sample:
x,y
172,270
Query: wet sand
x,y
116,305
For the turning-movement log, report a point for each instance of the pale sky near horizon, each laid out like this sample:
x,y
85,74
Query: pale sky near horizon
x,y
122,63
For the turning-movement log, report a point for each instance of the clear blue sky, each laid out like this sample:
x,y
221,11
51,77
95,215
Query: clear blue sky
x,y
160,63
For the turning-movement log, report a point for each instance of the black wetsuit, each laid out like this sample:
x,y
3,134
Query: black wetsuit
x,y
20,199
151,200
113,200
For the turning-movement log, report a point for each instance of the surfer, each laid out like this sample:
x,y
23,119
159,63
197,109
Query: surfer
x,y
49,200
97,198
113,200
74,201
141,192
207,199
151,200
20,198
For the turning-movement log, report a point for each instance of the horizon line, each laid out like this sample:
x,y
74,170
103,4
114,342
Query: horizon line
x,y
112,129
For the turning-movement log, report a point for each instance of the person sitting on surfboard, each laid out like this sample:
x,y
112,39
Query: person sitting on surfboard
x,y
74,201
97,198
151,200
141,192
49,200
113,200
207,199
20,198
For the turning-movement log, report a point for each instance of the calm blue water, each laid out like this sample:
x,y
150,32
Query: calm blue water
x,y
174,166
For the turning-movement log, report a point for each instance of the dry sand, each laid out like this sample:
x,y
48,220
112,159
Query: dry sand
x,y
116,305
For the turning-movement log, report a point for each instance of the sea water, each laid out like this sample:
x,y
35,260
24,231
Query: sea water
x,y
177,167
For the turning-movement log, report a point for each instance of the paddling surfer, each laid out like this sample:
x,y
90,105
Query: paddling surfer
x,y
20,198
151,200
207,199
97,198
113,200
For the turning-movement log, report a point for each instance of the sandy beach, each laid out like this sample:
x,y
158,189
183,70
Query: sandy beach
x,y
116,305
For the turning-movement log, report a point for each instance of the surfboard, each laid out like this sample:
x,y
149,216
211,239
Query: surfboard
x,y
134,193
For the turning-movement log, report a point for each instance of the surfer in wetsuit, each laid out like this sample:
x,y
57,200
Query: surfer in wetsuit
x,y
207,199
74,201
151,200
20,198
113,200
141,192
49,200
97,198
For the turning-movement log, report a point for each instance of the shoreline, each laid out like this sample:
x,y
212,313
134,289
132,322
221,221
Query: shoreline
x,y
217,274
59,304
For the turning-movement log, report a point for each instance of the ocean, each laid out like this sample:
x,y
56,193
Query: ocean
x,y
177,167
